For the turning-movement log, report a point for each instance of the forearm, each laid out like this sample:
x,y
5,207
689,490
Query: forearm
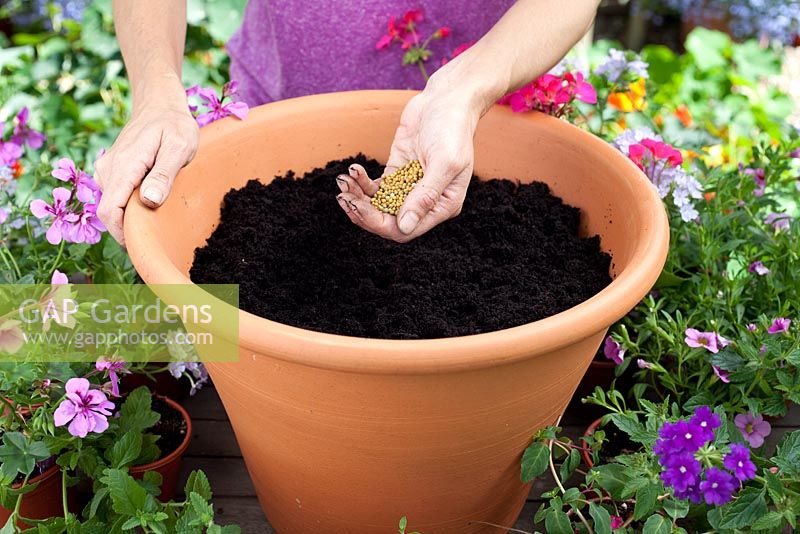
x,y
151,35
525,43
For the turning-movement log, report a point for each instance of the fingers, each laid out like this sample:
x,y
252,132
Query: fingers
x,y
425,199
359,174
158,182
112,207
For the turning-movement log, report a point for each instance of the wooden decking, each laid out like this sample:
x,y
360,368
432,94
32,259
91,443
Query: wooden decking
x,y
214,449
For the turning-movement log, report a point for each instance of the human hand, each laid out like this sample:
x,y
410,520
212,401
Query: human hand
x,y
435,128
157,142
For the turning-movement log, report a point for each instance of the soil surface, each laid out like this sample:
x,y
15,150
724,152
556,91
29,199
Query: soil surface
x,y
511,257
171,428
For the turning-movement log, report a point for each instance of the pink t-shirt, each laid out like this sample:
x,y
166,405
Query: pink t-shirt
x,y
288,48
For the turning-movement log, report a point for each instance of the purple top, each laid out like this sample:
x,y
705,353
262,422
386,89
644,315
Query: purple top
x,y
288,48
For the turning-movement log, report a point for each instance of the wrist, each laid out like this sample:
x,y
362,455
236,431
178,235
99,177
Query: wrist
x,y
162,90
466,80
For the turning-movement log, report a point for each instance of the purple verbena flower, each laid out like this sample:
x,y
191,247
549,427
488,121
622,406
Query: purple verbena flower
x,y
758,267
613,351
779,325
86,410
753,427
706,420
739,463
692,493
681,471
718,486
706,340
24,134
63,218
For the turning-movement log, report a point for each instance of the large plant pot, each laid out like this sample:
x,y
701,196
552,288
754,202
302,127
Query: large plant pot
x,y
169,466
44,501
347,434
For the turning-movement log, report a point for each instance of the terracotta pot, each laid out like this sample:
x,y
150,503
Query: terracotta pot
x,y
170,465
349,434
587,458
44,501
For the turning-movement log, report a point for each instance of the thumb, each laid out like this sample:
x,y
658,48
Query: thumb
x,y
158,182
425,195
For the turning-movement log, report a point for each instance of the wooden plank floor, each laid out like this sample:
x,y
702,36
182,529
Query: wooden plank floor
x,y
214,449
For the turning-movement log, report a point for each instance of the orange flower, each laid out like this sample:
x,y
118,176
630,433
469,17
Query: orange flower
x,y
711,195
17,169
631,100
684,115
659,120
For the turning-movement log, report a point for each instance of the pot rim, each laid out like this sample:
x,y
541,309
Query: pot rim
x,y
423,356
48,473
587,458
179,451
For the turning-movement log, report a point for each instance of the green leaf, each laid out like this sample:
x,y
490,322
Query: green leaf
x,y
18,454
749,506
708,48
201,507
125,450
224,18
668,279
198,483
557,522
601,517
787,457
534,461
127,496
571,462
136,414
611,477
676,509
645,501
97,499
131,523
634,429
771,521
727,359
657,524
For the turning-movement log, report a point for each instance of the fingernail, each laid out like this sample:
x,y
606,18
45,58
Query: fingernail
x,y
154,195
352,205
342,183
353,170
408,222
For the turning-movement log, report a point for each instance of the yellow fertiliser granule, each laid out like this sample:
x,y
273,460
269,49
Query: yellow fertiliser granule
x,y
395,187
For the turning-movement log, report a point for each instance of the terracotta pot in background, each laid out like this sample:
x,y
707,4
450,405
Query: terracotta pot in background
x,y
164,384
349,434
587,458
44,501
168,466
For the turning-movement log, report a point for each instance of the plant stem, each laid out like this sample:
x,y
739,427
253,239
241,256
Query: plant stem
x,y
18,504
64,491
58,257
561,486
423,70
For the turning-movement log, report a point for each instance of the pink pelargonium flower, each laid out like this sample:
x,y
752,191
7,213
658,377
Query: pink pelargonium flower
x,y
88,228
59,278
63,218
753,427
551,94
779,325
11,337
216,106
707,340
758,267
86,189
24,134
86,410
113,369
402,30
613,351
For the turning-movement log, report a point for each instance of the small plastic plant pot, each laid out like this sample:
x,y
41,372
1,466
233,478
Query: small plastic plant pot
x,y
42,502
587,458
349,434
168,466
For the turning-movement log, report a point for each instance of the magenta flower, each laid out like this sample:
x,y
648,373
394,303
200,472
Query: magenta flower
x,y
757,267
616,522
739,463
113,369
63,218
722,374
613,351
24,134
88,228
10,152
551,94
59,278
752,327
779,221
86,410
753,428
216,106
403,30
706,340
779,325
705,421
86,189
4,213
